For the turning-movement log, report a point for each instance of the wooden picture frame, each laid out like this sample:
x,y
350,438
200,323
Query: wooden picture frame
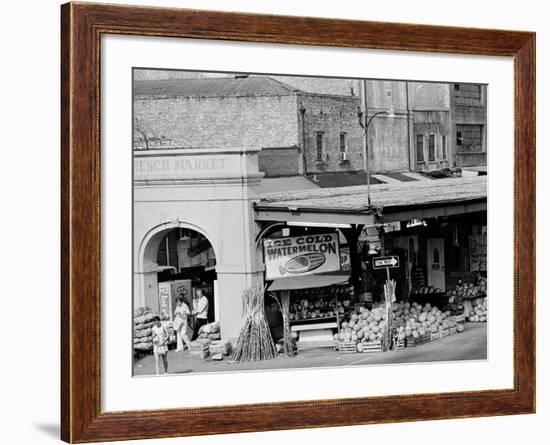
x,y
82,26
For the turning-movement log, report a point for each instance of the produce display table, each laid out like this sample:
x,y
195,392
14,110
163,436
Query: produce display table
x,y
315,334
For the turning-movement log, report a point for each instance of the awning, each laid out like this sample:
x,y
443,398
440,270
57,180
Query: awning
x,y
397,202
308,282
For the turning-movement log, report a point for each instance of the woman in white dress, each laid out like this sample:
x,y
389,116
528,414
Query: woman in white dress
x,y
181,322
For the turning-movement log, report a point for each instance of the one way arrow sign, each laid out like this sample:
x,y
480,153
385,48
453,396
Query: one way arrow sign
x,y
385,261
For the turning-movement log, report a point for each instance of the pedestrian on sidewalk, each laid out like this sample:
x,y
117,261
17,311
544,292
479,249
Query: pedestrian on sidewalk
x,y
200,310
181,323
160,345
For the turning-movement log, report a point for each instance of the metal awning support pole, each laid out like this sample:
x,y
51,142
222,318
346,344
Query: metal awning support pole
x,y
365,121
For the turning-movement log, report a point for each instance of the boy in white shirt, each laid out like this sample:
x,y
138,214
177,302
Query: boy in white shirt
x,y
160,345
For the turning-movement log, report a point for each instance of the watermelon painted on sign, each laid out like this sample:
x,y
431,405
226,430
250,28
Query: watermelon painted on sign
x,y
301,255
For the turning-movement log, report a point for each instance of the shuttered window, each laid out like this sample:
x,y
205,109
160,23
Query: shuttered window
x,y
419,148
319,142
431,147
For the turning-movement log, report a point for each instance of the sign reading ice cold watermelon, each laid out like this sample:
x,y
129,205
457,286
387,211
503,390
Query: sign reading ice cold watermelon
x,y
301,255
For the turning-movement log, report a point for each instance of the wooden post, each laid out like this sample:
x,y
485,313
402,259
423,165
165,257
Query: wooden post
x,y
283,301
337,315
285,309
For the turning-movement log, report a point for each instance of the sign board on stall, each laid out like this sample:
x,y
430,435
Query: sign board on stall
x,y
382,262
301,255
165,300
345,259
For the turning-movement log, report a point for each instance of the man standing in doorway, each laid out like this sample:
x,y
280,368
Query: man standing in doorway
x,y
200,310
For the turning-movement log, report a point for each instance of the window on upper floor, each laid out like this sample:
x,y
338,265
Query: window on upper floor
x,y
469,137
343,142
467,94
419,148
319,141
431,147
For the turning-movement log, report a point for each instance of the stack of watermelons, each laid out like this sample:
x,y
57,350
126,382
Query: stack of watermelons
x,y
479,312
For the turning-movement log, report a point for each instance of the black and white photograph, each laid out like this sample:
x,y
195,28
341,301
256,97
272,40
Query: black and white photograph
x,y
287,222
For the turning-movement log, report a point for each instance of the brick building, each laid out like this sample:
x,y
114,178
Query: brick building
x,y
299,132
469,124
308,125
428,125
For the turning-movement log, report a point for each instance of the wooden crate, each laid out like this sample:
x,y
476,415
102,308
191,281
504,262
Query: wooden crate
x,y
204,353
420,340
445,333
220,347
453,330
372,346
435,335
398,344
347,347
200,348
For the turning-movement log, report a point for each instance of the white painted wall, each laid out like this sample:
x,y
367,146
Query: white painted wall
x,y
216,203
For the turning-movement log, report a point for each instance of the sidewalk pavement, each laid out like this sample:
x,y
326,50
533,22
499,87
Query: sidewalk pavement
x,y
468,345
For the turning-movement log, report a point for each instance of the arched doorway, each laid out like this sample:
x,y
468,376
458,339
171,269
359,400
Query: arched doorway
x,y
176,259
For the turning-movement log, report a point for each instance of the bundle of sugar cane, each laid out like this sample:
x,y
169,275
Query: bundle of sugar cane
x,y
283,300
255,341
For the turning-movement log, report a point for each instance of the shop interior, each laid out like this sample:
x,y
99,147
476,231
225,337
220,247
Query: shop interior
x,y
186,262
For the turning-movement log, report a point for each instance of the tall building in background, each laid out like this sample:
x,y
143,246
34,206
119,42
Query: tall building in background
x,y
309,125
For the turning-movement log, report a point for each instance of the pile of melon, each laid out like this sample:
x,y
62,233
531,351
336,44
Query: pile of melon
x,y
365,326
479,312
413,319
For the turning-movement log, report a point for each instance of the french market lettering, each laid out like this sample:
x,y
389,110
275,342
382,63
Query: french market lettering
x,y
302,255
181,165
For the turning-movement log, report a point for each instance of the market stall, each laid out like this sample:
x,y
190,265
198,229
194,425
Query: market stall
x,y
314,305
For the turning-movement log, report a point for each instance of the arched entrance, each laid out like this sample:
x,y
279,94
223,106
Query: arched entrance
x,y
208,194
176,260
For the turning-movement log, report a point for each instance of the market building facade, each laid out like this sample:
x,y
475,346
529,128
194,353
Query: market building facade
x,y
210,195
205,195
204,147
